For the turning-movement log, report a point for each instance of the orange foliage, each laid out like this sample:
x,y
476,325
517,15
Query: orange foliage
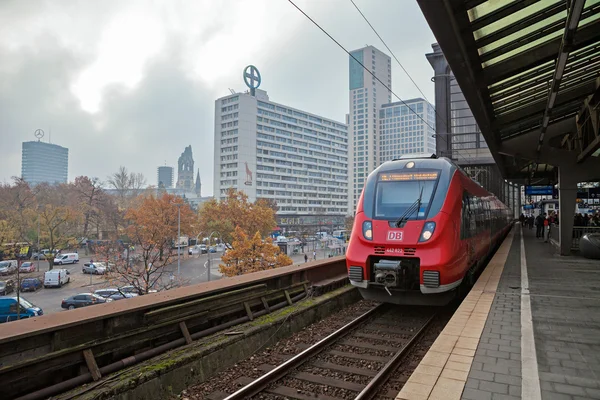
x,y
152,230
251,255
235,211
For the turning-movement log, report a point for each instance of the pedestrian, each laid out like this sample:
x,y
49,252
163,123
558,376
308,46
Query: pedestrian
x,y
314,255
539,224
305,258
546,229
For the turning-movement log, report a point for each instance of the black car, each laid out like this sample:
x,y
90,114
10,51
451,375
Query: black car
x,y
83,300
6,287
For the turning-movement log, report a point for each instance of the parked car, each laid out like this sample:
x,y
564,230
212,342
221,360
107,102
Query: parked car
x,y
11,311
133,289
203,249
27,267
30,284
212,249
102,264
8,267
56,278
7,287
115,294
93,268
67,258
194,250
83,300
38,255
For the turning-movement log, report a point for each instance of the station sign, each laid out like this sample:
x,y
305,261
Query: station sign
x,y
539,190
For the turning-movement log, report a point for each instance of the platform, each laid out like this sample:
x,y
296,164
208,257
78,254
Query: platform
x,y
529,329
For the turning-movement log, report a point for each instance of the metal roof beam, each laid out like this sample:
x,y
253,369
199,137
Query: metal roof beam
x,y
563,55
535,35
539,54
538,107
521,24
500,13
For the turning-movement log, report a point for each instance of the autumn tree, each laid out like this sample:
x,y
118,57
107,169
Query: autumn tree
x,y
270,203
152,228
251,255
58,227
16,202
236,211
349,223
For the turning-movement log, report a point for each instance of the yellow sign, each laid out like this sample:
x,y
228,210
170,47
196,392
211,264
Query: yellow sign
x,y
408,176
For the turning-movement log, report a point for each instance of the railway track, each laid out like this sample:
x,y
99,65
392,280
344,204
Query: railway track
x,y
353,362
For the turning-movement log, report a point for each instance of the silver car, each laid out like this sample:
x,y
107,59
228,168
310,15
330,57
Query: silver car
x,y
96,269
115,294
8,267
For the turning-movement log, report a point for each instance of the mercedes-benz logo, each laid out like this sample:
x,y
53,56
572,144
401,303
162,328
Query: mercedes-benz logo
x,y
39,133
251,77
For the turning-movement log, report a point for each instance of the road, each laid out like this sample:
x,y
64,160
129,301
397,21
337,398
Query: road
x,y
193,269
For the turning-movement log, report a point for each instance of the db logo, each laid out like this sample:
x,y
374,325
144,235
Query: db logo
x,y
394,235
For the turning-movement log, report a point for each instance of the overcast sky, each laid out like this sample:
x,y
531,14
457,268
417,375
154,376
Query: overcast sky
x,y
133,82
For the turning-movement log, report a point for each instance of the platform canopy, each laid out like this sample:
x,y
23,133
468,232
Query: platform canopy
x,y
529,70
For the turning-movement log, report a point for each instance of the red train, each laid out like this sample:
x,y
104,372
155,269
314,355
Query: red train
x,y
421,231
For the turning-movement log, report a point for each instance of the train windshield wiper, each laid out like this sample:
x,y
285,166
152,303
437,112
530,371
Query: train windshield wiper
x,y
410,210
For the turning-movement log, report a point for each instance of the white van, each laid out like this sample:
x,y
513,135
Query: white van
x,y
67,258
56,278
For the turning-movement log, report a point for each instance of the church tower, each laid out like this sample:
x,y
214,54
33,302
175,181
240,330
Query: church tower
x,y
198,184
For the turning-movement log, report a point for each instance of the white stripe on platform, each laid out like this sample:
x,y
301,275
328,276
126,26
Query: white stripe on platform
x,y
530,389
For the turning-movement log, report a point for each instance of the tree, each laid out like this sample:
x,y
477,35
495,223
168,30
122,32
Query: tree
x,y
16,202
88,193
236,211
58,226
152,229
251,255
349,223
270,203
127,184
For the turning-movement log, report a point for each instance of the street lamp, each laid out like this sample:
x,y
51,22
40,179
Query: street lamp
x,y
209,239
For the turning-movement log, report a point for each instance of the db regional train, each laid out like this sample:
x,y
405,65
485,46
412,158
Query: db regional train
x,y
421,232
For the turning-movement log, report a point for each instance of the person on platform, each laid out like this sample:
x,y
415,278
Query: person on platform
x,y
546,229
305,258
539,224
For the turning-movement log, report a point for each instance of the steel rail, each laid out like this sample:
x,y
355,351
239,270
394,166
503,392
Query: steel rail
x,y
382,376
280,371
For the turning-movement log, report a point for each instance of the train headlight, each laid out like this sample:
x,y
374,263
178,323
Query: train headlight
x,y
368,230
427,231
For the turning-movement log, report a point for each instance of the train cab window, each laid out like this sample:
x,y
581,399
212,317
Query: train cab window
x,y
394,196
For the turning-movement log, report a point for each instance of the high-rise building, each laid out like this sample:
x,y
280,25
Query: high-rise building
x,y
165,177
44,163
185,170
367,96
406,128
277,152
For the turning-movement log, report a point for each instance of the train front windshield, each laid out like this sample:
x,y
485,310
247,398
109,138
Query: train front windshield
x,y
396,192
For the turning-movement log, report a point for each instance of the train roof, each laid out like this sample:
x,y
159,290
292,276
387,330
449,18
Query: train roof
x,y
420,162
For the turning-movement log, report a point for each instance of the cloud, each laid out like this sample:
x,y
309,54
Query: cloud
x,y
133,83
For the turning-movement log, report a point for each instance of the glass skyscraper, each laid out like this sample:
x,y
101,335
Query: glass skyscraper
x,y
406,128
44,163
367,96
